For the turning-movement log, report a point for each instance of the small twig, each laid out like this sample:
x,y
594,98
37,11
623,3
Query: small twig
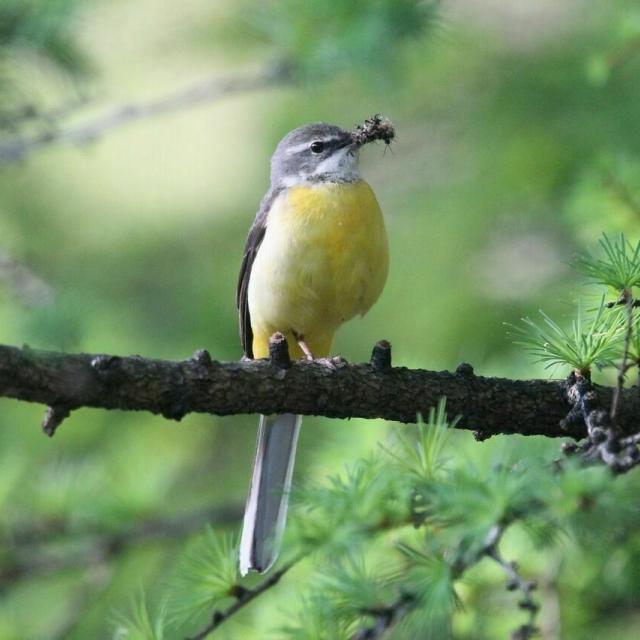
x,y
617,392
10,120
490,549
19,147
621,301
243,597
385,617
516,582
630,440
153,528
25,558
388,616
53,418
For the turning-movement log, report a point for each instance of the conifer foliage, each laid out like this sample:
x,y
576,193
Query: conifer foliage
x,y
517,146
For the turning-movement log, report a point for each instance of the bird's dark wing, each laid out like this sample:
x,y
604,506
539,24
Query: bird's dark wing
x,y
254,239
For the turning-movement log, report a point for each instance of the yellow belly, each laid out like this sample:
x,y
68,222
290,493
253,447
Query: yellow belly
x,y
323,260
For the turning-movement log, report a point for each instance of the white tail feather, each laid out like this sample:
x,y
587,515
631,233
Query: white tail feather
x,y
266,509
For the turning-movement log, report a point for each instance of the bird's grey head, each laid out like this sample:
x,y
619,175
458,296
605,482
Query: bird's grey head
x,y
315,153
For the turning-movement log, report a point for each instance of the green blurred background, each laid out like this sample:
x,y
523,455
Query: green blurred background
x,y
518,142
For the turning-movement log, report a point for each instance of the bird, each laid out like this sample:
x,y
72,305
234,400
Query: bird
x,y
315,257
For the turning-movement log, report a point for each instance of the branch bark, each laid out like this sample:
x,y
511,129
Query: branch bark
x,y
336,389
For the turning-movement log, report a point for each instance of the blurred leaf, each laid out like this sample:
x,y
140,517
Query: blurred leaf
x,y
427,575
368,497
43,27
138,624
317,620
423,455
206,575
321,38
352,588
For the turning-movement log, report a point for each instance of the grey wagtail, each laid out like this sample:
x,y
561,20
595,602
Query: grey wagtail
x,y
315,257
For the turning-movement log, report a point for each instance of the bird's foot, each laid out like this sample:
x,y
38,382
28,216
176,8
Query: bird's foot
x,y
333,363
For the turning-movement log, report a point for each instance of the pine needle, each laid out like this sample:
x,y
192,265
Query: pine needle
x,y
206,575
138,624
618,269
590,341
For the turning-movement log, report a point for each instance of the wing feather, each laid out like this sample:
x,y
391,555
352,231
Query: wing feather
x,y
254,240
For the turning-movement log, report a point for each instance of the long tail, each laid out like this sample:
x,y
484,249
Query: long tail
x,y
266,509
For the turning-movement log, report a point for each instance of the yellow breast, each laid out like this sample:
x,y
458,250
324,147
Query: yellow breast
x,y
323,260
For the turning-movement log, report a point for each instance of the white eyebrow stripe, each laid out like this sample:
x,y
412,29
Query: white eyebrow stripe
x,y
297,148
305,145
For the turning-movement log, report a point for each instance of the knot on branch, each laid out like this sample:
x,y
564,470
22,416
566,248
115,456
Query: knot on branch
x,y
202,357
175,405
381,356
605,441
176,409
480,435
464,369
279,351
53,418
108,368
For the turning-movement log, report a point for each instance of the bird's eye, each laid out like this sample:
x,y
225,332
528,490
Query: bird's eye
x,y
317,146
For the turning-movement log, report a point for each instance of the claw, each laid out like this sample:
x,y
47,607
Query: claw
x,y
333,363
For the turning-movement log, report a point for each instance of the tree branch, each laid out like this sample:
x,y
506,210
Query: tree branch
x,y
339,390
490,406
19,146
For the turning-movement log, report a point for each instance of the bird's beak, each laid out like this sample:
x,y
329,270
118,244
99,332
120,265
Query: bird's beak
x,y
349,142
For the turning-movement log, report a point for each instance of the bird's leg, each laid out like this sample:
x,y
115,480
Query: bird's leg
x,y
303,345
305,349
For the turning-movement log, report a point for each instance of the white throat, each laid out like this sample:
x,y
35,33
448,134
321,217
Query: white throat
x,y
340,166
343,165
